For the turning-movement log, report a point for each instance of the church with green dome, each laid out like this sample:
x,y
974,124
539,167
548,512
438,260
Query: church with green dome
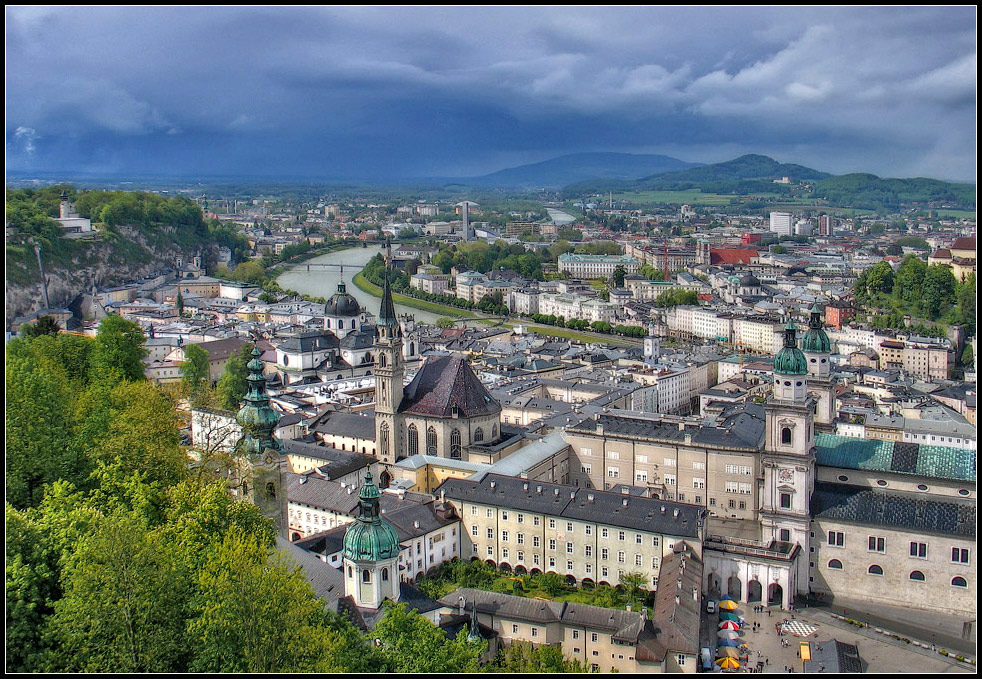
x,y
371,553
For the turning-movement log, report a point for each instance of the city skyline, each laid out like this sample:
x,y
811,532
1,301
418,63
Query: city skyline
x,y
400,93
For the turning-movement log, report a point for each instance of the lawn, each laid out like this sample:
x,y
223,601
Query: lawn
x,y
690,197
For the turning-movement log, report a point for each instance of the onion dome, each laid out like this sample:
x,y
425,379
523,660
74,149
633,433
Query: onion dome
x,y
257,417
341,303
370,537
816,340
790,360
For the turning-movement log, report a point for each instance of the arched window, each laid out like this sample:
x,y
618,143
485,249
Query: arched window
x,y
412,348
875,570
494,432
455,444
917,575
786,435
836,564
412,441
270,491
385,575
366,575
958,582
478,434
349,571
431,441
384,439
381,359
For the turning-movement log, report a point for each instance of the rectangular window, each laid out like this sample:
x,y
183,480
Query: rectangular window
x,y
877,544
588,550
641,477
654,540
732,487
745,489
569,527
604,553
576,634
552,544
959,555
521,556
785,500
620,535
552,562
535,540
731,504
603,533
698,465
521,518
837,539
490,513
587,452
593,637
669,462
504,536
535,631
918,549
514,629
569,565
743,505
613,455
474,531
643,459
520,537
535,521
654,563
698,483
613,472
569,547
490,533
669,479
490,550
535,559
712,502
589,529
586,468
620,557
552,523
504,516
504,553
473,510
637,560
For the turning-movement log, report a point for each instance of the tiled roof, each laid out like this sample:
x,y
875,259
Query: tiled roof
x,y
347,424
858,504
938,462
445,382
604,507
833,657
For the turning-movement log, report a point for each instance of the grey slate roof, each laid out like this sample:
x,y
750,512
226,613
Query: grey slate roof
x,y
444,382
309,341
741,427
857,504
336,463
677,624
326,580
640,513
347,424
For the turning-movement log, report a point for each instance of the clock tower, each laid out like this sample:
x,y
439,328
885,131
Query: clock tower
x,y
389,371
788,459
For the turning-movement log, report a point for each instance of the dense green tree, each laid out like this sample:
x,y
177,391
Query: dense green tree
x,y
37,432
524,657
119,350
877,279
250,272
46,325
910,275
195,371
445,322
409,642
233,384
635,586
618,277
651,273
937,290
123,603
965,299
255,612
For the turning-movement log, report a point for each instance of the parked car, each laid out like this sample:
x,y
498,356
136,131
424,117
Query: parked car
x,y
710,606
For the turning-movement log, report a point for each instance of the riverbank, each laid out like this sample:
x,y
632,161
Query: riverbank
x,y
365,285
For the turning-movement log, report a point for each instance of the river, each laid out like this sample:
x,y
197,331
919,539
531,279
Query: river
x,y
323,282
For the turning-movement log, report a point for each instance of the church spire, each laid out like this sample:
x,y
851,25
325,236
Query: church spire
x,y
387,312
257,417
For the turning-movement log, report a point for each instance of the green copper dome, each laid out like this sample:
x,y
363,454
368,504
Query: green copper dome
x,y
370,538
816,341
257,417
790,360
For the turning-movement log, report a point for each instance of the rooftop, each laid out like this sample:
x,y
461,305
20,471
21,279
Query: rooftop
x,y
938,462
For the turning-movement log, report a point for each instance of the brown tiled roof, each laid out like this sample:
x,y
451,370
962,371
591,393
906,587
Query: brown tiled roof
x,y
941,254
964,243
445,382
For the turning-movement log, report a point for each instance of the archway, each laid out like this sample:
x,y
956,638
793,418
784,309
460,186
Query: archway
x,y
734,587
755,591
715,584
536,571
775,595
504,567
491,563
520,570
294,537
586,583
571,580
384,479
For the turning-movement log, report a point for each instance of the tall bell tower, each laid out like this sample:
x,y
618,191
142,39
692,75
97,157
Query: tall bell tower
x,y
788,459
389,371
818,351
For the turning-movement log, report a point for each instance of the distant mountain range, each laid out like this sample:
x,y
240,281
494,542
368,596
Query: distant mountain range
x,y
579,167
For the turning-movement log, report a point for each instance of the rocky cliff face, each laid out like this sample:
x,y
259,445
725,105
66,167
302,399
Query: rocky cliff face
x,y
102,270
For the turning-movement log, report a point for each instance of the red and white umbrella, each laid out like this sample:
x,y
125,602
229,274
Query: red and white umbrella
x,y
729,625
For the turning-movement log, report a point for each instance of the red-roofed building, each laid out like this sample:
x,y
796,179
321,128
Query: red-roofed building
x,y
733,256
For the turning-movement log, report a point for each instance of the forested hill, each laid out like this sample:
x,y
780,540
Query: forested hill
x,y
137,233
756,174
580,167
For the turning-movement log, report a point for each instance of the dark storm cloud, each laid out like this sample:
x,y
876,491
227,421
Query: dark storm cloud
x,y
389,92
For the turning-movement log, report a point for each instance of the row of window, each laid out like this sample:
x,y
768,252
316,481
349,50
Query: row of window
x,y
878,544
917,576
588,529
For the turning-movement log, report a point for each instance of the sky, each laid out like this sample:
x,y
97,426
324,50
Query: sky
x,y
385,93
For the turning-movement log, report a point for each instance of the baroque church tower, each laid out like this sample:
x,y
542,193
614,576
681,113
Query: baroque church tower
x,y
818,351
262,481
389,371
789,455
371,553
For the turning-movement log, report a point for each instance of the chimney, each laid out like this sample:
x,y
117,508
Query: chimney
x,y
460,605
443,496
675,513
695,594
624,502
416,525
538,489
303,479
493,484
663,509
589,497
555,491
572,495
678,599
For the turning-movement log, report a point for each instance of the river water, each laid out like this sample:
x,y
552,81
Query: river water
x,y
323,282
